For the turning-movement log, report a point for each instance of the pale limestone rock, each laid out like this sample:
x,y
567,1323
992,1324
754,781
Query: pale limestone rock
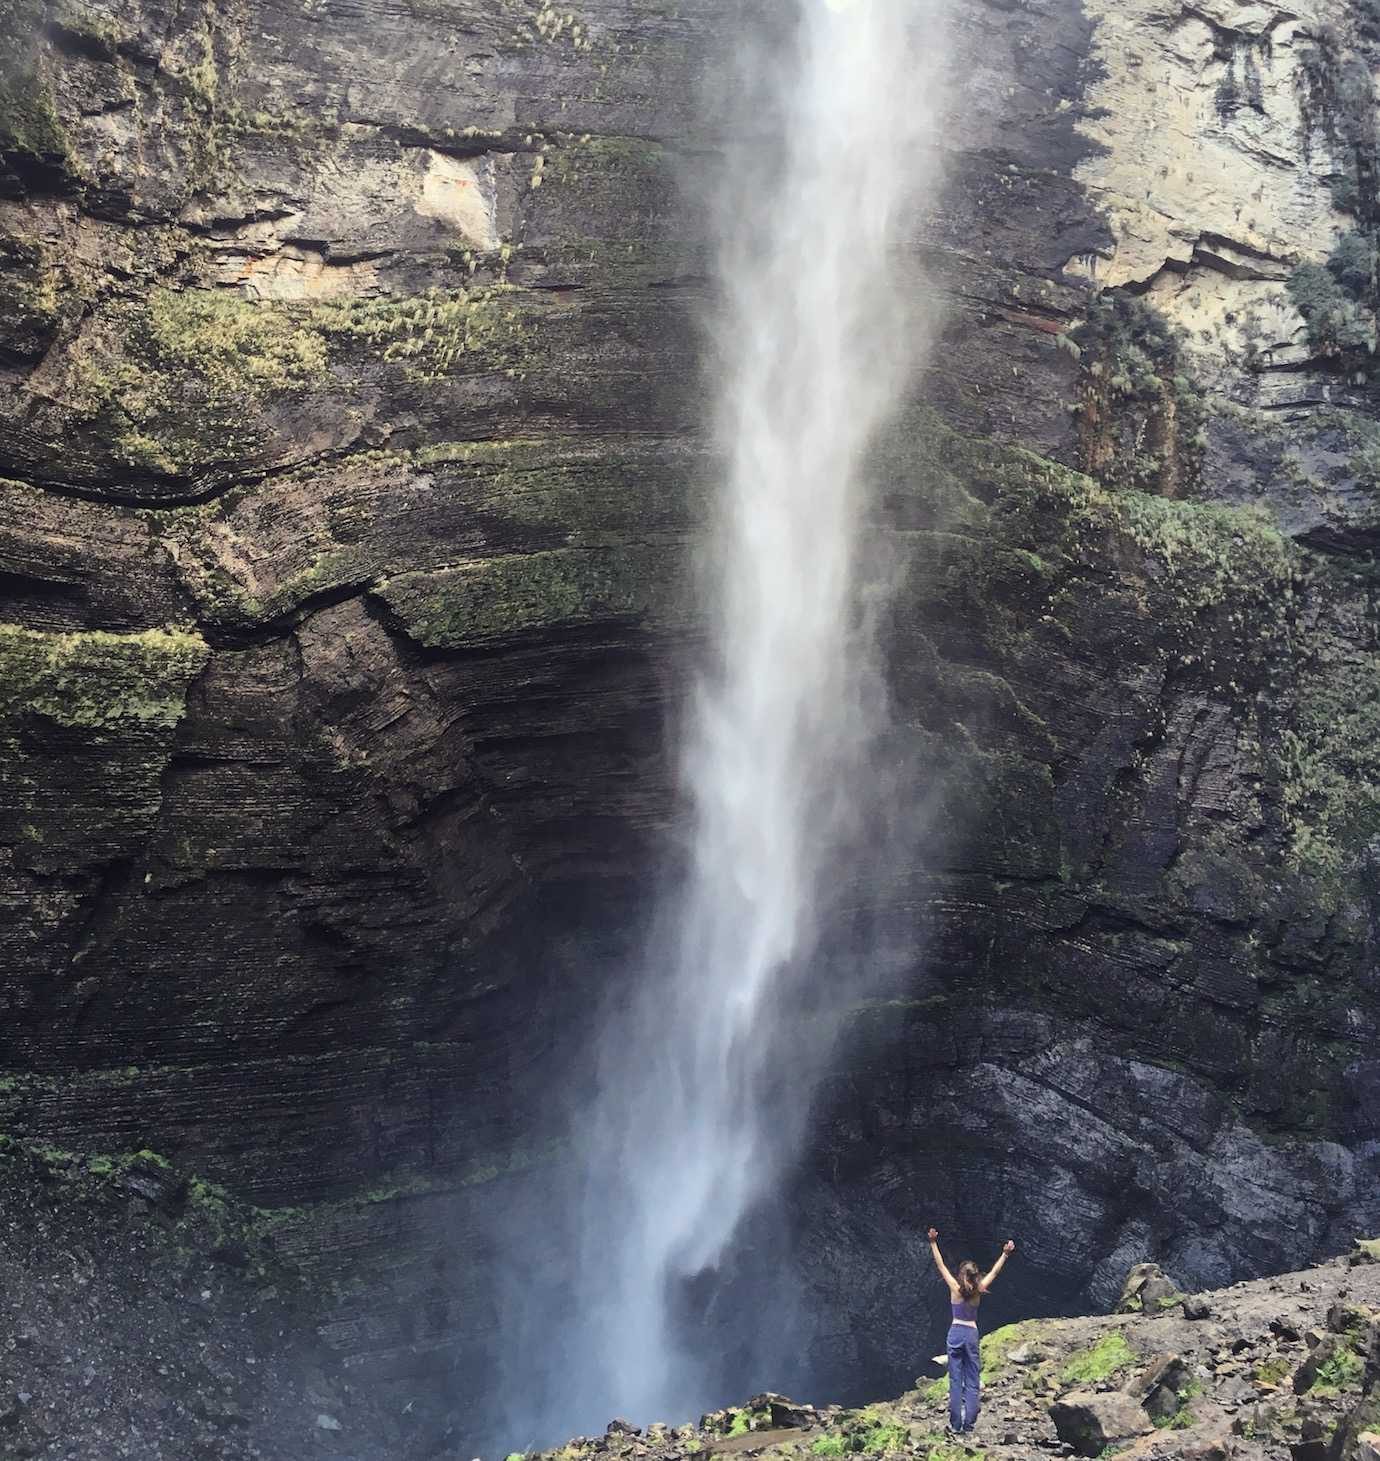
x,y
1210,204
461,194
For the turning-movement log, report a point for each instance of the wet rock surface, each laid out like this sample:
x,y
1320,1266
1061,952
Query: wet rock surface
x,y
351,453
147,1315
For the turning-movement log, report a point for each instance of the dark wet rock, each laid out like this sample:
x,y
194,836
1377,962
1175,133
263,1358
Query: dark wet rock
x,y
132,1339
1350,1442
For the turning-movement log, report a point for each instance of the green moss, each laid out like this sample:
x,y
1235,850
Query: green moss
x,y
1140,413
936,1392
32,305
29,125
1327,753
885,1437
1337,302
1202,557
1342,1370
1101,1361
1180,1420
600,493
996,1347
101,33
97,681
201,1217
831,1443
742,1421
1243,610
875,1431
936,1448
535,23
235,346
436,333
494,598
1273,1371
175,380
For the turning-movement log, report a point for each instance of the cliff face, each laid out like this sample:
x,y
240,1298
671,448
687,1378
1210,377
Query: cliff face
x,y
350,460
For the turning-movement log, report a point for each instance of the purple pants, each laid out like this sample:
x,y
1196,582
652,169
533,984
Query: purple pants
x,y
965,1369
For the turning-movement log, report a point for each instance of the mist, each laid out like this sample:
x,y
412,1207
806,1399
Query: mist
x,y
707,1060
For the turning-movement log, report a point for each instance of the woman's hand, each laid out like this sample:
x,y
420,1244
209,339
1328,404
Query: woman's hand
x,y
934,1235
1008,1246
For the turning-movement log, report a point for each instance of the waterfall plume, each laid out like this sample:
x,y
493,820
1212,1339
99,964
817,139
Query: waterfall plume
x,y
702,1095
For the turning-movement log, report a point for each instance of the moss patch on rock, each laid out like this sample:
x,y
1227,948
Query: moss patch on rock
x,y
493,599
30,130
1099,1362
432,334
1035,555
175,381
201,1217
97,681
29,125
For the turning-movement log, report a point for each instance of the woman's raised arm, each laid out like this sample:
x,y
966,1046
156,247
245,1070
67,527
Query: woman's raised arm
x,y
1008,1248
939,1261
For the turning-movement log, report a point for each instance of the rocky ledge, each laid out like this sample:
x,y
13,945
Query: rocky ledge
x,y
1275,1369
151,1315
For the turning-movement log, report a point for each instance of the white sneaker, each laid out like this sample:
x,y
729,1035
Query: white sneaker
x,y
940,1359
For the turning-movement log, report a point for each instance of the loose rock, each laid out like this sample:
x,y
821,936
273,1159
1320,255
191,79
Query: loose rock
x,y
1090,1421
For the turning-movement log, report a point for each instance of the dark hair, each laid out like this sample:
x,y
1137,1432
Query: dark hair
x,y
969,1280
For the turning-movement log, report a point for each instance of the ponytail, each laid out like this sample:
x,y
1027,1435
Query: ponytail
x,y
969,1281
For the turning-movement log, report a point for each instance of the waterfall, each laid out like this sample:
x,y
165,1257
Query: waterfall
x,y
701,1104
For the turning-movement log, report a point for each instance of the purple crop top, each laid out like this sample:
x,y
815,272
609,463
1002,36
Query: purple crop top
x,y
965,1310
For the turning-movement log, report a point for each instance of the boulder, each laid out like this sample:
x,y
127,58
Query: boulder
x,y
1158,1385
1146,1286
1026,1354
1368,1446
1327,1346
1090,1421
784,1412
1196,1306
1312,1444
1344,1317
1209,1440
1367,1250
1309,1448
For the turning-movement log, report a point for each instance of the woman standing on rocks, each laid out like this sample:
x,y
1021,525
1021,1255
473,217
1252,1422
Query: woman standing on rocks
x,y
965,1364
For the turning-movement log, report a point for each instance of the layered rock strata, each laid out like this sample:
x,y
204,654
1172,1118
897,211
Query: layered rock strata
x,y
351,457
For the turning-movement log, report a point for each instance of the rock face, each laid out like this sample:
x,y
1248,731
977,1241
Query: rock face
x,y
146,1315
350,457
